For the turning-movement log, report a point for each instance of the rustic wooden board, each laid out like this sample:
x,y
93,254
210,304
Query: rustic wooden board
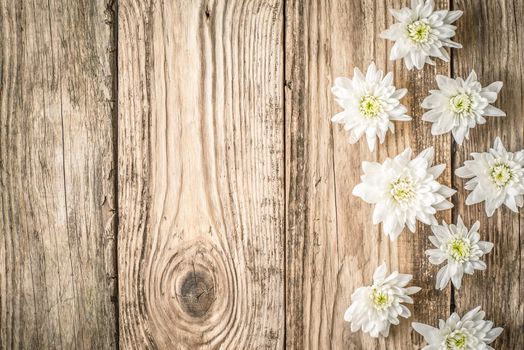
x,y
236,224
57,261
332,246
492,32
201,174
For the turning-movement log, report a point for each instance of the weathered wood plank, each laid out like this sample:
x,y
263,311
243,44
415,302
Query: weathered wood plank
x,y
57,261
493,37
332,246
201,174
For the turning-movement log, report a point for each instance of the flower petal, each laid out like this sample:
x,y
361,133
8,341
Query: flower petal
x,y
494,87
493,111
428,332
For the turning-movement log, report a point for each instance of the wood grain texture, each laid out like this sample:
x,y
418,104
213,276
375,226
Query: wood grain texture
x,y
332,246
201,174
236,224
57,261
493,37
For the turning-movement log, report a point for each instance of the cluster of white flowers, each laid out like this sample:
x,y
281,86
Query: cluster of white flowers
x,y
405,190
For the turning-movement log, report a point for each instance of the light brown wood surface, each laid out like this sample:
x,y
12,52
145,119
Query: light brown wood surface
x,y
332,246
170,177
57,244
498,55
201,174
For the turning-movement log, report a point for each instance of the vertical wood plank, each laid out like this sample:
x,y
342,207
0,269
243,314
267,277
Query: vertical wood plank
x,y
201,174
332,246
493,37
57,261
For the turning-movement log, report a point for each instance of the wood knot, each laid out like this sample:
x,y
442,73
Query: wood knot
x,y
193,291
197,293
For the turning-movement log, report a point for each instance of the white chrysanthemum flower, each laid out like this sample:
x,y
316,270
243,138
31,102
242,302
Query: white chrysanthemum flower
x,y
370,105
421,33
374,308
460,105
462,249
404,190
471,332
497,178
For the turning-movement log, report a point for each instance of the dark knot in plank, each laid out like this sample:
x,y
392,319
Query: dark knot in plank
x,y
197,293
192,293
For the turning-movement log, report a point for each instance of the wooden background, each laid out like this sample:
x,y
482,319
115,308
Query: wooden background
x,y
170,177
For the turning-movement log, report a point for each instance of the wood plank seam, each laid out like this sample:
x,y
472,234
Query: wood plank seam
x,y
112,9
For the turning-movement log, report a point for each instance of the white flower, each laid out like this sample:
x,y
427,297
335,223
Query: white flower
x,y
374,308
462,249
460,105
497,178
421,34
469,333
370,104
404,190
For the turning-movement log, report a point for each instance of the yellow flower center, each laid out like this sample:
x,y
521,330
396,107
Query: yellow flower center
x,y
369,106
402,189
418,32
380,299
461,103
456,341
459,249
501,174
